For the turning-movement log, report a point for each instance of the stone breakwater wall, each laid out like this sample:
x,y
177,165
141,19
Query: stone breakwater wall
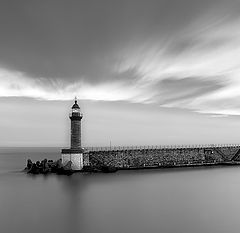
x,y
124,158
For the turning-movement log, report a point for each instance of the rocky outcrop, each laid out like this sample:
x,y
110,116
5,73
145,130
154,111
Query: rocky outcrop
x,y
47,166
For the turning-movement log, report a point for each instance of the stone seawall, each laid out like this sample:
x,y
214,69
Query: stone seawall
x,y
162,157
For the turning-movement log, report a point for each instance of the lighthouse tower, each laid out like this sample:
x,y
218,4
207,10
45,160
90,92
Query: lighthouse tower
x,y
76,117
75,152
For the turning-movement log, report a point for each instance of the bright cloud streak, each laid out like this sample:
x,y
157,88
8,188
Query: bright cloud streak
x,y
16,84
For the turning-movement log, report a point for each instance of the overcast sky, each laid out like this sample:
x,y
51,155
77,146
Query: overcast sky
x,y
158,71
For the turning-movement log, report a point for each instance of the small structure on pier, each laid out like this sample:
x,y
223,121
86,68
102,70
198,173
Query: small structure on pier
x,y
74,155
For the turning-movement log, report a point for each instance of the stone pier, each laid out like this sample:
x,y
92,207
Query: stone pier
x,y
143,157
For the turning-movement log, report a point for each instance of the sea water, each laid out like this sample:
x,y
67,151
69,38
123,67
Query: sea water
x,y
181,200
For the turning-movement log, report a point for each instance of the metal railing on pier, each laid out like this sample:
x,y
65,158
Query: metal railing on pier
x,y
121,148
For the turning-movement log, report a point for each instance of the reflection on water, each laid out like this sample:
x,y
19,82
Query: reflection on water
x,y
170,200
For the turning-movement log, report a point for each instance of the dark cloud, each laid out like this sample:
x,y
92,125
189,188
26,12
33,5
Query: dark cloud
x,y
228,104
81,39
172,89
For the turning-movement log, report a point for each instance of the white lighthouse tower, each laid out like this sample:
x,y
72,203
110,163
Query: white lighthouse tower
x,y
75,152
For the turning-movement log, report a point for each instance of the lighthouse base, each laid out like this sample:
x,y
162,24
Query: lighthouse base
x,y
75,156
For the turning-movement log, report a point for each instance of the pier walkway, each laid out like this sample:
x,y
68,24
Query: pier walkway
x,y
152,147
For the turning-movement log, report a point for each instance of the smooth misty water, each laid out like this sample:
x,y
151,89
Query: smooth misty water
x,y
201,200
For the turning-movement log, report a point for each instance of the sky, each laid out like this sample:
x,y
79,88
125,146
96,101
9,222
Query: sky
x,y
146,72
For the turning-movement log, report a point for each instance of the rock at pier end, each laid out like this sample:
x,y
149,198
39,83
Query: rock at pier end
x,y
47,166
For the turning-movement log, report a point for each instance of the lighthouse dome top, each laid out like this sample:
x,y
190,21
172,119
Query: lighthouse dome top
x,y
75,106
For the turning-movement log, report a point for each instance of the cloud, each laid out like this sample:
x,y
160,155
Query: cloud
x,y
68,39
17,84
180,54
171,90
198,68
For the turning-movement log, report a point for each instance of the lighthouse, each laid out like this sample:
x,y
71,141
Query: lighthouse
x,y
74,154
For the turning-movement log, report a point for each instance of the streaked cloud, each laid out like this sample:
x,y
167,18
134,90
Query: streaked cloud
x,y
176,54
174,90
16,84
